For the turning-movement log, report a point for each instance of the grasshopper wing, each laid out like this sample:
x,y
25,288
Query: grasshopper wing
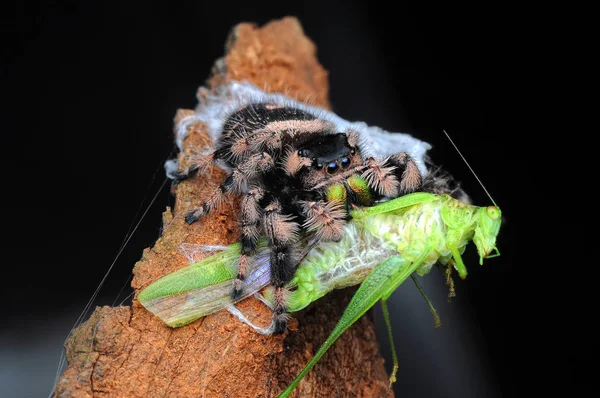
x,y
203,287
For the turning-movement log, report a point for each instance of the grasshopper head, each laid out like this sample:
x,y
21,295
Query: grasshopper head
x,y
488,226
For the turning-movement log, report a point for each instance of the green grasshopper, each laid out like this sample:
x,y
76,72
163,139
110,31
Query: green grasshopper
x,y
381,247
425,228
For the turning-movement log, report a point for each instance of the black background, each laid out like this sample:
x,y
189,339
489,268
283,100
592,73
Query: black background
x,y
89,94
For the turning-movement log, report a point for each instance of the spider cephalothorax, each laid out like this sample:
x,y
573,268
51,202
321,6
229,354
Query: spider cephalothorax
x,y
297,174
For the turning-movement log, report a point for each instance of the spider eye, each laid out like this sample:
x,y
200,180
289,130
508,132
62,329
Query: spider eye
x,y
332,167
352,152
345,162
302,153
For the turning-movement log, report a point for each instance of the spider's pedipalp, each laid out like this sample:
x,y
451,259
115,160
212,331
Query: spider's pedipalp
x,y
326,219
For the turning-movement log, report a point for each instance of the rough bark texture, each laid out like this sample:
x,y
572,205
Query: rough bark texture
x,y
127,352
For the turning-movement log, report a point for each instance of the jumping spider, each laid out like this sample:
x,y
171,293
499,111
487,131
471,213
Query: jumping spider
x,y
297,174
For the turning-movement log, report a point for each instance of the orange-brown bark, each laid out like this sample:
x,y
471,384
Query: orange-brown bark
x,y
128,352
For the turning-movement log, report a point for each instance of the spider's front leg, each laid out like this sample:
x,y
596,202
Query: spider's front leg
x,y
282,233
394,176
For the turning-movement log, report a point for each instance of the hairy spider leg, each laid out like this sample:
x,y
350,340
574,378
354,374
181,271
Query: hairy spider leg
x,y
394,176
236,183
185,175
213,201
282,233
199,162
410,179
251,230
326,219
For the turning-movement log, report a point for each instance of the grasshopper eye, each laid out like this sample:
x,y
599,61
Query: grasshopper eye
x,y
493,212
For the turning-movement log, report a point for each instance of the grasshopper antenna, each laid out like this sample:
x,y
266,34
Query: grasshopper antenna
x,y
470,168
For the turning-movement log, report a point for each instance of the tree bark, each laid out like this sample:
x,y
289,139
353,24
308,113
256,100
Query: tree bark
x,y
128,352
